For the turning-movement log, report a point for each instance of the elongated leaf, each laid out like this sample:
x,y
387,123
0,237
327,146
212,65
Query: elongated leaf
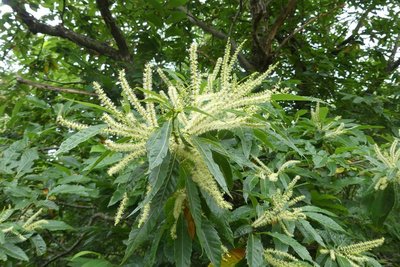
x,y
53,225
26,162
88,104
210,242
157,177
157,145
213,167
14,251
254,251
182,245
151,255
194,201
325,221
318,210
297,247
39,244
72,189
343,262
308,229
79,137
139,235
291,97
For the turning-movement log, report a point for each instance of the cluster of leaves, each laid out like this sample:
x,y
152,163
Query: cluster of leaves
x,y
324,219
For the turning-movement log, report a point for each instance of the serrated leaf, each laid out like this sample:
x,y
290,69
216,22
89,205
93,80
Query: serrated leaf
x,y
213,167
325,221
318,210
312,232
72,189
297,247
254,251
26,161
193,200
210,242
156,179
79,137
14,251
182,244
291,97
343,262
39,244
139,235
157,145
54,225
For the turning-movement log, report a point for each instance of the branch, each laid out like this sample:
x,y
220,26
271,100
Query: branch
x,y
119,38
236,17
354,33
393,65
289,9
53,88
218,34
75,205
35,26
308,22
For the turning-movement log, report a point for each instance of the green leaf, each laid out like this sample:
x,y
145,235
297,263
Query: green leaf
x,y
53,225
73,189
311,231
182,245
39,244
79,137
254,251
343,262
319,210
297,247
193,200
83,253
90,105
291,97
26,162
14,251
157,145
156,179
210,242
152,253
325,221
381,204
213,167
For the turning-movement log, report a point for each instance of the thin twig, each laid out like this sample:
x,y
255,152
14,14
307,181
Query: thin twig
x,y
75,205
308,22
218,34
53,88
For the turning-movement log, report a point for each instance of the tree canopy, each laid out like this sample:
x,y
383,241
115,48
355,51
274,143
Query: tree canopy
x,y
176,132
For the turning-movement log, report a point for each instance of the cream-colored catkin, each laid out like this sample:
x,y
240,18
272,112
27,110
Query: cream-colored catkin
x,y
121,209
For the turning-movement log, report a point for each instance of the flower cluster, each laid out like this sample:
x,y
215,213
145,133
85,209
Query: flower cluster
x,y
219,103
353,253
331,129
277,258
264,171
389,163
282,208
178,207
